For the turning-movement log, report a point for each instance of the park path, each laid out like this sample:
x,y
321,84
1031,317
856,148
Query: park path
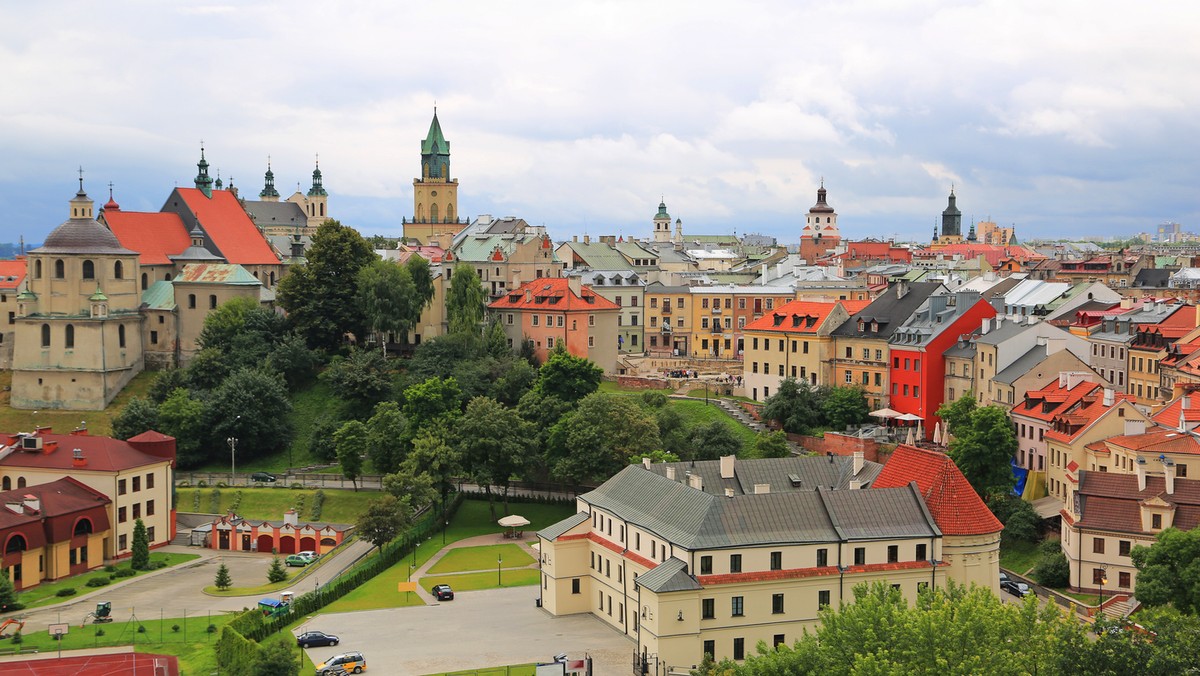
x,y
476,541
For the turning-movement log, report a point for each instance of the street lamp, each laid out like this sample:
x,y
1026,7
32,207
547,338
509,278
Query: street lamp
x,y
499,560
232,441
1103,579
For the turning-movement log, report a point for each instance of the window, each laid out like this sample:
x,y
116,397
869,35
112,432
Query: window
x,y
592,320
823,598
849,377
776,560
893,553
121,336
710,648
708,609
706,565
561,322
534,320
739,648
122,516
849,353
550,343
575,586
1181,471
822,557
120,487
118,271
1123,547
191,301
212,302
860,556
122,542
735,563
776,603
149,481
150,533
70,337
1097,576
137,484
805,344
777,641
137,510
60,269
921,553
591,341
1124,579
737,607
149,508
1097,545
45,335
549,320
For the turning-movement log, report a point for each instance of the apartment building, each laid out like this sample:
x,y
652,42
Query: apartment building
x,y
793,341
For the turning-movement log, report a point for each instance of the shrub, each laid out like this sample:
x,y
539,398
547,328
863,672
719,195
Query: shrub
x,y
196,500
98,582
296,486
125,572
183,484
212,629
141,628
68,591
1052,569
17,638
175,628
202,484
99,631
276,572
652,399
222,484
318,504
110,568
237,502
214,501
155,565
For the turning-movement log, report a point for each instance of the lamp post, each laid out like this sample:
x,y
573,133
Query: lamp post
x,y
499,560
232,441
1103,579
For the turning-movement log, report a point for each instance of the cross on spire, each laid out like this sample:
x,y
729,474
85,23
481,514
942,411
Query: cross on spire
x,y
80,178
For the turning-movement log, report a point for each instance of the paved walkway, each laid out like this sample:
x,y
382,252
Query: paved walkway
x,y
477,541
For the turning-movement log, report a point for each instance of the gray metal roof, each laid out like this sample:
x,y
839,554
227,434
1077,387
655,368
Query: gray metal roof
x,y
275,213
669,576
832,471
1024,364
553,532
857,514
890,309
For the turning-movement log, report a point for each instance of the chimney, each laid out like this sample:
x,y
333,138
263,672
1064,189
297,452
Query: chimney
x,y
575,238
937,305
762,489
1126,303
289,518
727,462
1064,380
999,321
516,279
729,492
16,507
1054,345
77,459
33,503
1135,427
587,239
575,284
1185,402
671,473
646,463
696,482
985,326
528,295
1169,476
1108,397
855,484
1141,474
859,460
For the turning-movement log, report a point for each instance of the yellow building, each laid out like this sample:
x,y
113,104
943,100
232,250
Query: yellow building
x,y
50,531
435,194
793,341
668,322
1097,416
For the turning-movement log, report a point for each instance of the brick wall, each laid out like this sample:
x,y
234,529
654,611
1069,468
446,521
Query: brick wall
x,y
637,383
840,444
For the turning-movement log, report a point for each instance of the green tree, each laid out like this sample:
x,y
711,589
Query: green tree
x,y
673,432
320,440
8,595
600,437
223,581
495,340
253,406
386,433
167,381
653,399
713,440
466,301
319,296
795,407
381,521
567,377
493,441
1169,570
983,449
182,416
292,358
362,377
1021,521
414,491
276,572
224,324
207,369
957,414
350,440
516,380
387,298
277,658
1052,568
435,455
422,278
139,553
434,400
138,416
655,457
771,445
843,407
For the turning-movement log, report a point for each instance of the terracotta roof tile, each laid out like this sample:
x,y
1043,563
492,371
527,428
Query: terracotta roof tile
x,y
100,453
229,227
955,506
12,273
611,546
154,235
810,315
552,294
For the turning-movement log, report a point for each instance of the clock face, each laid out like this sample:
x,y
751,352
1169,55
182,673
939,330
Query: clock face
x,y
433,192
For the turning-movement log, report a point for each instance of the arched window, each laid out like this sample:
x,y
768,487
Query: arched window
x,y
60,269
37,269
272,279
83,527
45,335
167,277
16,543
70,341
6,483
20,482
121,335
433,213
191,301
144,280
322,208
118,270
89,270
212,302
420,213
450,212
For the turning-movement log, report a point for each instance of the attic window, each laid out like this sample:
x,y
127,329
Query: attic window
x,y
874,327
777,319
809,321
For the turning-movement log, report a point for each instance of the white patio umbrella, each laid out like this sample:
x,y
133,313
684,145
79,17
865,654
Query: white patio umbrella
x,y
910,441
937,433
920,432
513,521
884,413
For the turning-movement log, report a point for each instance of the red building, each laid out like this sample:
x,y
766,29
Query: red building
x,y
554,311
232,532
52,530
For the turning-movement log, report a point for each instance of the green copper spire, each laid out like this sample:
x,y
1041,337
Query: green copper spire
x,y
662,211
317,190
269,182
204,182
435,152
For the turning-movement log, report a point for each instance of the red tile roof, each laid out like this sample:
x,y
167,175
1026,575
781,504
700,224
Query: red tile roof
x,y
229,227
1061,399
155,236
785,317
1111,501
1090,410
954,505
796,573
552,294
58,498
14,269
994,253
1158,440
101,454
611,546
1169,416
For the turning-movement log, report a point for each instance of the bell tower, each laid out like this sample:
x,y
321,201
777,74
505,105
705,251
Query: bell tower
x,y
435,194
662,224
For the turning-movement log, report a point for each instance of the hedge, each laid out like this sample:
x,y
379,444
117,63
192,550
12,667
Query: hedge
x,y
235,653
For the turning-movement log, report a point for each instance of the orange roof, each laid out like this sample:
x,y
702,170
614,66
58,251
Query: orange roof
x,y
802,316
154,235
1159,440
994,253
229,227
1086,414
1062,397
12,273
954,505
554,294
1169,416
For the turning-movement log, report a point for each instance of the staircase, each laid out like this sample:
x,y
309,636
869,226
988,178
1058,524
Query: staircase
x,y
1121,608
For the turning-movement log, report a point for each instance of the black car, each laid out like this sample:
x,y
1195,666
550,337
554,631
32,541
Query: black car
x,y
312,638
263,476
1015,588
443,592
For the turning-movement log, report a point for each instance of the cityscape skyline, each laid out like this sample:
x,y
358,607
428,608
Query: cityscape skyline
x,y
1054,119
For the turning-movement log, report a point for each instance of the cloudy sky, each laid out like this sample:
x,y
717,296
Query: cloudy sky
x,y
1066,118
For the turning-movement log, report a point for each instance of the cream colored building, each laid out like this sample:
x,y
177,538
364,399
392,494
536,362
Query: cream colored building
x,y
793,341
716,556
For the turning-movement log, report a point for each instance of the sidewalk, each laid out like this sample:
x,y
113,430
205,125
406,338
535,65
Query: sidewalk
x,y
477,541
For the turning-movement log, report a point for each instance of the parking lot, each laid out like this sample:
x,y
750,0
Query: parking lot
x,y
477,629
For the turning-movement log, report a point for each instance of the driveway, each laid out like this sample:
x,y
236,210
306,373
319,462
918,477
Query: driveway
x,y
477,629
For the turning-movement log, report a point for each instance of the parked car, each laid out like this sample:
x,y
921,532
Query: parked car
x,y
1015,588
263,476
297,560
443,592
344,662
1003,579
309,554
311,638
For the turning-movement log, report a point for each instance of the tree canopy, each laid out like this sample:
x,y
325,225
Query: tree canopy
x,y
319,296
983,449
567,377
466,301
1169,570
795,406
600,437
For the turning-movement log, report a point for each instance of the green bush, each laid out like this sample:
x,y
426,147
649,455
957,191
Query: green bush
x,y
318,504
98,582
110,568
212,629
175,628
196,499
1052,569
183,484
155,565
67,591
214,501
296,486
202,484
126,572
17,638
99,631
141,629
222,484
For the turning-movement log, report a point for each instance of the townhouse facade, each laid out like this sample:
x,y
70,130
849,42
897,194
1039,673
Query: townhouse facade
x,y
668,319
560,311
793,341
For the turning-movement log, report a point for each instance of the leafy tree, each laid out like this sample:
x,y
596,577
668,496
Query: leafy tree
x,y
672,432
167,381
1169,570
466,301
653,399
1020,520
428,402
182,416
138,416
795,406
320,441
422,278
957,414
139,553
542,412
655,456
363,377
276,572
207,370
568,377
223,581
771,445
495,340
601,437
387,298
224,324
377,242
1052,569
8,595
253,406
414,491
493,441
277,658
292,358
983,449
516,380
437,358
714,440
845,406
350,440
1166,642
319,295
386,437
435,455
381,521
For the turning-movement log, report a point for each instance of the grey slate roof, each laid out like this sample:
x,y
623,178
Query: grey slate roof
x,y
889,310
829,471
858,515
553,532
1024,364
1154,277
669,576
275,213
1008,329
962,350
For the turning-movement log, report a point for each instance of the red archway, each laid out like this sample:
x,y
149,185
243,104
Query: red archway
x,y
308,543
265,543
287,544
327,544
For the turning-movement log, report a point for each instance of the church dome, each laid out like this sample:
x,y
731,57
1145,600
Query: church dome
x,y
82,235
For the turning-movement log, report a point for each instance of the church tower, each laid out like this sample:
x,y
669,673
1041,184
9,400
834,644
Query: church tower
x,y
662,224
820,232
269,193
204,182
314,206
951,219
435,194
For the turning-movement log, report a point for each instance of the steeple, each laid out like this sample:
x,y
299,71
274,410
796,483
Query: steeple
x,y
219,184
204,182
81,204
971,232
435,152
269,193
435,193
316,189
662,224
111,205
951,218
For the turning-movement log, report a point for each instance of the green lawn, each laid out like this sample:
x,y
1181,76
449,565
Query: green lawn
x,y
1085,599
481,558
1020,557
341,505
45,594
522,577
695,413
98,422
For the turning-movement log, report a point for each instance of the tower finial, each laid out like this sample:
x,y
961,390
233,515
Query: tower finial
x,y
110,187
822,181
951,188
81,178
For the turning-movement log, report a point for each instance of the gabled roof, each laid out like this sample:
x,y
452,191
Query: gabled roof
x,y
955,506
154,235
227,225
159,296
286,214
1110,501
58,498
100,453
552,294
1169,415
12,273
800,316
1053,399
1158,440
1090,410
553,532
889,310
669,576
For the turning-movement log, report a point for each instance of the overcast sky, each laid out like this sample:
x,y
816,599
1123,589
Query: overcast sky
x,y
1067,118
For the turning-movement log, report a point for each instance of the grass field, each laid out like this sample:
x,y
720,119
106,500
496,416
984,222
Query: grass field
x,y
341,506
45,594
1020,557
522,577
481,558
612,387
98,422
696,413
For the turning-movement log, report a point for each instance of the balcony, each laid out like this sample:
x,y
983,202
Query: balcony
x,y
666,328
716,328
716,310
